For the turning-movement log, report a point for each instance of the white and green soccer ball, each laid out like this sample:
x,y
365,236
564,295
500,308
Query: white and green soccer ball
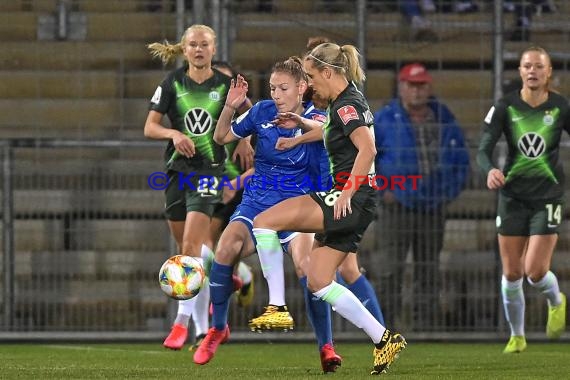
x,y
181,277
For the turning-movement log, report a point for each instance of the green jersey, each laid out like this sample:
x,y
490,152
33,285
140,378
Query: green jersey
x,y
532,169
346,113
193,109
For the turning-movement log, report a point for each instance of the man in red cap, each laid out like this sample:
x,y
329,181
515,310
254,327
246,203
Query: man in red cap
x,y
416,135
415,73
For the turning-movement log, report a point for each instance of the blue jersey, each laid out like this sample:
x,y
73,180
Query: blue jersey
x,y
319,168
278,174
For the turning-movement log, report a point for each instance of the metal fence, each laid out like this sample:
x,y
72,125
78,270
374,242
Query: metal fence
x,y
88,238
89,234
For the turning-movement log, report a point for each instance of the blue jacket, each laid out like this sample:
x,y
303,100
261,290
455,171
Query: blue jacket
x,y
397,156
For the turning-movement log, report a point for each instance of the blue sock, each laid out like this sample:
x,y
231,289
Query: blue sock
x,y
362,289
221,288
319,314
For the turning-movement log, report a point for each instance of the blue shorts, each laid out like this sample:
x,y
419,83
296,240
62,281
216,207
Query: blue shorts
x,y
245,213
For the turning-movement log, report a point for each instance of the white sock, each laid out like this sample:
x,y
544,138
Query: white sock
x,y
548,285
346,304
270,255
201,315
514,304
244,272
186,307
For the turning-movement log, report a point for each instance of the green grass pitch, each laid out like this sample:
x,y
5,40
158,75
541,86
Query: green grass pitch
x,y
245,361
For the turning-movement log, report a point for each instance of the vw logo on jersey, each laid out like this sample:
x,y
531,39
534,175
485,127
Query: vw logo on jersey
x,y
532,145
214,96
198,121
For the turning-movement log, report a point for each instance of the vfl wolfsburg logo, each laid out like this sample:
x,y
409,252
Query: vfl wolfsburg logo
x,y
532,145
214,96
548,120
198,121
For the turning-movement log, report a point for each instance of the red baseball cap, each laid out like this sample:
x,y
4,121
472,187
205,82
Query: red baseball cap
x,y
415,73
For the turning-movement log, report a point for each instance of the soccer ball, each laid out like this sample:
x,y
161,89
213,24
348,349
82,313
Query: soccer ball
x,y
181,277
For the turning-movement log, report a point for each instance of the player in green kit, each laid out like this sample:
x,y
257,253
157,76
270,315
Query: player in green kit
x,y
531,191
192,97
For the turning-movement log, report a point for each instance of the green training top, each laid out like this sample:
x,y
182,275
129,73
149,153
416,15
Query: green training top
x,y
193,109
532,168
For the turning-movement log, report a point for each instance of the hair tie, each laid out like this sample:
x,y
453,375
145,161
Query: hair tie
x,y
325,63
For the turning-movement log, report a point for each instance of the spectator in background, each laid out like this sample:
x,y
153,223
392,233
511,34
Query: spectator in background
x,y
456,6
420,27
542,6
416,135
157,5
414,12
524,11
265,5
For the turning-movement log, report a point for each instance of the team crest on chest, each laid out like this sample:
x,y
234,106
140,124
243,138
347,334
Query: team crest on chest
x,y
214,96
548,119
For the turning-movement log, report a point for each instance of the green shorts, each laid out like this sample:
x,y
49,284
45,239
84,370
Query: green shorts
x,y
185,194
345,233
525,218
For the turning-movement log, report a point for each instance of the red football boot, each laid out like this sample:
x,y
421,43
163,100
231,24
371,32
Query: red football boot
x,y
177,337
238,283
330,360
210,344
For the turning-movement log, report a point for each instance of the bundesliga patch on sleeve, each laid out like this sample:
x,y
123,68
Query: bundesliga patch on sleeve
x,y
347,113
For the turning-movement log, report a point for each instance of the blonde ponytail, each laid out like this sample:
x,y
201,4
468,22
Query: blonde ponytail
x,y
167,52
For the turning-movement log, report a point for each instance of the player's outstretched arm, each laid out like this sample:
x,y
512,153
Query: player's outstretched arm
x,y
292,120
236,96
284,143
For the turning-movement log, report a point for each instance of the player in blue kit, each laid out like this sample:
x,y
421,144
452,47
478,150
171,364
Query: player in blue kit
x,y
349,273
342,213
278,175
